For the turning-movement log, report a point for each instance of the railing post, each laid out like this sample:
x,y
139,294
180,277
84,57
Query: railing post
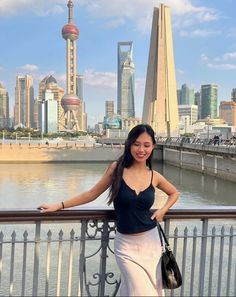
x,y
1,242
82,257
203,257
36,258
215,164
103,258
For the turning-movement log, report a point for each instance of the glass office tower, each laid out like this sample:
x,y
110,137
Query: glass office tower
x,y
209,96
125,80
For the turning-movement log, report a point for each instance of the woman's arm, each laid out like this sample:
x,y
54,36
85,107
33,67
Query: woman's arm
x,y
173,195
101,186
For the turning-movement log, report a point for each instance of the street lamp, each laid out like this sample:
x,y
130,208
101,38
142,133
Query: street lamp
x,y
208,128
29,137
185,126
16,137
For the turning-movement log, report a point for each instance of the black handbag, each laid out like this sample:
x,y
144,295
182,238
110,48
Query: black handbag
x,y
171,275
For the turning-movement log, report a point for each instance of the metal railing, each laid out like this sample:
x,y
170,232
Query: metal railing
x,y
225,147
70,252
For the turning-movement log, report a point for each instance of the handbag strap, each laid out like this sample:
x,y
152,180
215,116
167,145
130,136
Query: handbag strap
x,y
162,235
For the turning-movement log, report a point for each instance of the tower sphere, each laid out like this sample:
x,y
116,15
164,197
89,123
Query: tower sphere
x,y
70,102
70,31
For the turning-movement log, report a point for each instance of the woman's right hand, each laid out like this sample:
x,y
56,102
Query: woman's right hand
x,y
50,207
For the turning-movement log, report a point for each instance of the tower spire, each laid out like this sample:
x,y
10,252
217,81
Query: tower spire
x,y
70,101
70,11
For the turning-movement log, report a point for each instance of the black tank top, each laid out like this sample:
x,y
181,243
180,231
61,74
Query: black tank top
x,y
133,211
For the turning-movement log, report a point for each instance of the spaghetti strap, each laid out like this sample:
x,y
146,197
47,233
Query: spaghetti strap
x,y
151,178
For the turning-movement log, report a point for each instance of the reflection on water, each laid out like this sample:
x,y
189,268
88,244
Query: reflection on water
x,y
26,186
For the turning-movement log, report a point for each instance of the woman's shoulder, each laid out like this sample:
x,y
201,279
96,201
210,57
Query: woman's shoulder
x,y
112,167
156,177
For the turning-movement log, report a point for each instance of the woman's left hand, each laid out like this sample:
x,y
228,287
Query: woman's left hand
x,y
158,215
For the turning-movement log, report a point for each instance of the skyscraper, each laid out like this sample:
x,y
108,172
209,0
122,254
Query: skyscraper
x,y
109,108
4,107
227,111
198,102
125,80
209,98
82,116
160,108
50,83
186,95
24,101
70,102
48,113
80,86
233,95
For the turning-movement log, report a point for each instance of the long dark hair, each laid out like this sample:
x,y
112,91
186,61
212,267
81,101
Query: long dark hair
x,y
126,160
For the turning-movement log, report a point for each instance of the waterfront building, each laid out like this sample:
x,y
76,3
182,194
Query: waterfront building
x,y
129,123
4,108
233,95
189,110
36,116
160,108
24,102
198,102
80,86
82,116
99,128
50,83
109,108
113,122
209,98
227,112
186,95
125,80
48,113
71,103
179,96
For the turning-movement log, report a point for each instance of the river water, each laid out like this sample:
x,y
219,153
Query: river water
x,y
27,186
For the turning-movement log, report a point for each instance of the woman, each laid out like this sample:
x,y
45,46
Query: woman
x,y
132,184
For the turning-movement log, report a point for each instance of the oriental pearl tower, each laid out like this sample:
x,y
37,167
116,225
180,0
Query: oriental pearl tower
x,y
70,101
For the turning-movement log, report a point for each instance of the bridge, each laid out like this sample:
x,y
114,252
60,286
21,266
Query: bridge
x,y
200,155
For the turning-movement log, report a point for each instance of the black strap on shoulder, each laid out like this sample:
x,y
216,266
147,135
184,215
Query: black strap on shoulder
x,y
151,178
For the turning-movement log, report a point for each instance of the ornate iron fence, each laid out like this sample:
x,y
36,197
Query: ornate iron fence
x,y
70,252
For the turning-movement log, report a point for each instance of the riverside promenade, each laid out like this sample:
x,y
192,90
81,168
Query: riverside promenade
x,y
200,155
66,152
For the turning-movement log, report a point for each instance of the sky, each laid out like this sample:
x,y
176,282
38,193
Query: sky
x,y
204,38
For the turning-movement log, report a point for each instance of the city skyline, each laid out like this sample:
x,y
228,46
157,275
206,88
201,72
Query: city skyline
x,y
204,45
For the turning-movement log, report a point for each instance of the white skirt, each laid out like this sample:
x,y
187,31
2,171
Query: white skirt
x,y
138,258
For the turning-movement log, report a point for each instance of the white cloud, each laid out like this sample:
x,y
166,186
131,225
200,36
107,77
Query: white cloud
x,y
222,66
100,79
199,33
118,12
229,56
39,7
180,71
204,33
1,68
29,67
115,23
204,57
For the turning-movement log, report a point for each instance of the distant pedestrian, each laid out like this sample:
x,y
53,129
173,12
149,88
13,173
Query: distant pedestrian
x,y
132,183
216,140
